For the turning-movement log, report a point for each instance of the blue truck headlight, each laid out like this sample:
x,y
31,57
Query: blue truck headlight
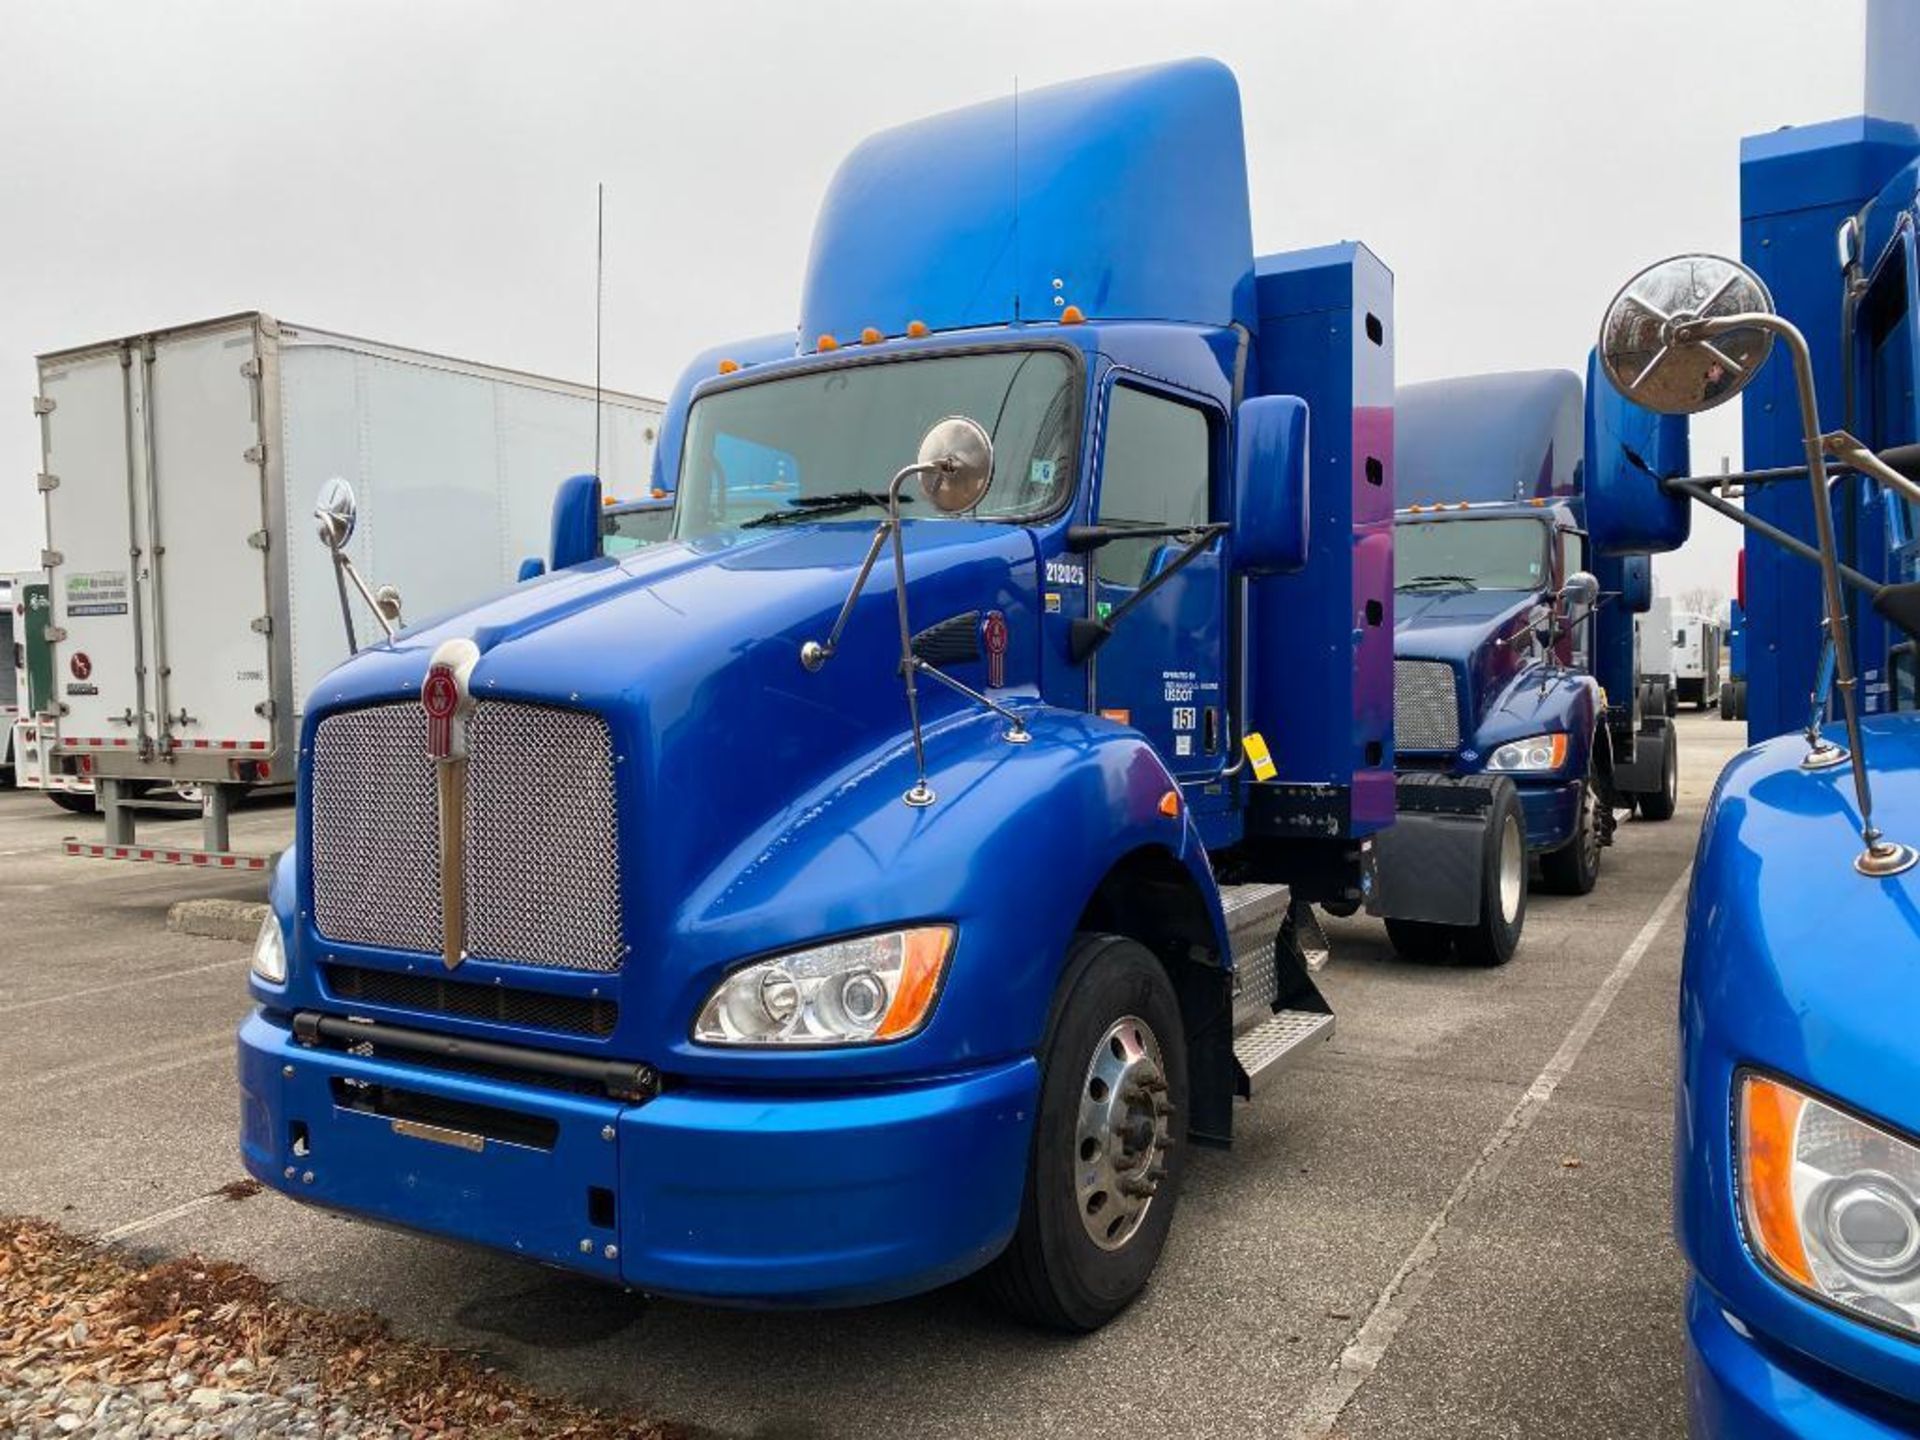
x,y
1831,1204
867,990
1534,754
270,951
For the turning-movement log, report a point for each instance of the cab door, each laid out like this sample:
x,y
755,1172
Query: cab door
x,y
1163,667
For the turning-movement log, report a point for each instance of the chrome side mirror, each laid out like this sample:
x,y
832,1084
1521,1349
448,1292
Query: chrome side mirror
x,y
956,464
335,511
1657,352
1580,594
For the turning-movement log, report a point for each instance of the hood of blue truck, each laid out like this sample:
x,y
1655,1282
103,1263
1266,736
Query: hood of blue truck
x,y
1813,969
1470,631
690,653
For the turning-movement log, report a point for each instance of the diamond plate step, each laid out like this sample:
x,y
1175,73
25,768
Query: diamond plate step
x,y
1274,1043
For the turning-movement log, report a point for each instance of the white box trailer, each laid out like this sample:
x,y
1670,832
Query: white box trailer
x,y
1653,639
1698,642
192,606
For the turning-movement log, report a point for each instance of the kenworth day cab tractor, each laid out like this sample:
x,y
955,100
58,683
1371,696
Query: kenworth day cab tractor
x,y
1797,1120
1510,657
890,875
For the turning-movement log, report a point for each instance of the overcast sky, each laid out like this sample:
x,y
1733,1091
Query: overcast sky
x,y
423,173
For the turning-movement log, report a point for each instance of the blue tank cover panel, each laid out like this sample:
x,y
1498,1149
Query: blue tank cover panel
x,y
1515,436
1325,334
1796,186
1124,195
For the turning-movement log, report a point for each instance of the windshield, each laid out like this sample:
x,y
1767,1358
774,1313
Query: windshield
x,y
1470,555
825,445
624,531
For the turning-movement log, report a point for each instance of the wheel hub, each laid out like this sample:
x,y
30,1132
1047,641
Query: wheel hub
x,y
1123,1134
1513,868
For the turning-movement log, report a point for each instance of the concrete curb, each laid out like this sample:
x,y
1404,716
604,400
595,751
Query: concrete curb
x,y
217,919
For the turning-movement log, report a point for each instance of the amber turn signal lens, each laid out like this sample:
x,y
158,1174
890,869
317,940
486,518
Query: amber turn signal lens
x,y
1071,315
871,336
827,342
1769,1121
917,329
926,959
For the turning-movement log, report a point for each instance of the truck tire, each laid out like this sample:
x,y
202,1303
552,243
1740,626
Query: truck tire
x,y
1574,869
1660,804
1104,1172
74,801
1421,940
1726,702
1503,885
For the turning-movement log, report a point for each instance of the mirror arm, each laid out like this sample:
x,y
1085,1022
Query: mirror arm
x,y
344,566
346,605
1087,636
1703,492
1843,446
1084,538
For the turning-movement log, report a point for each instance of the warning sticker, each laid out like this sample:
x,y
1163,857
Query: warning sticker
x,y
97,592
1260,757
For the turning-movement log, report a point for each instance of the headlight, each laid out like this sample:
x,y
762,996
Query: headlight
x,y
1537,752
1831,1203
852,992
270,951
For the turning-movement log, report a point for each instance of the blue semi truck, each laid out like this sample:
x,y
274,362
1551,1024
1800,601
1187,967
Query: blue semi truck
x,y
1797,1118
890,875
1512,657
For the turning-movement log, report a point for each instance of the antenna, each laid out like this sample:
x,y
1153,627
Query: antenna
x,y
599,304
1016,199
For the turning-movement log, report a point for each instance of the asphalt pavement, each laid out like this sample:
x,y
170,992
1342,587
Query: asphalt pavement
x,y
1453,1220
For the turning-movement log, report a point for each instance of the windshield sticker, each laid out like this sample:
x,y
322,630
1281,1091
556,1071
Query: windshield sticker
x,y
1040,472
99,592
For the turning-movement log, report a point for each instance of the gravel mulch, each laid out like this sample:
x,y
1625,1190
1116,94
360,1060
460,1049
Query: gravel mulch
x,y
94,1344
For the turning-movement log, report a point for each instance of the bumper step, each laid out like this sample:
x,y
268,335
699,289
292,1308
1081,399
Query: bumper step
x,y
1268,1047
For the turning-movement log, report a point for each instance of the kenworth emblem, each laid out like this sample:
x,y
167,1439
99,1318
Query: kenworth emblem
x,y
446,697
993,636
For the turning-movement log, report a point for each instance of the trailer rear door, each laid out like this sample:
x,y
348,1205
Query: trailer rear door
x,y
94,543
158,537
208,581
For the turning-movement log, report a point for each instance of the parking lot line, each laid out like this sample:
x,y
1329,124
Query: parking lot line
x,y
195,1050
1322,1408
162,1217
93,990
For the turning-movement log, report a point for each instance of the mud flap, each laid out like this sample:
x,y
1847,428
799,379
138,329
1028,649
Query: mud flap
x,y
1645,773
1430,862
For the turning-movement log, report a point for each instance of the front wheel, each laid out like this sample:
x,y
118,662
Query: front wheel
x,y
1574,869
1503,885
1104,1172
77,802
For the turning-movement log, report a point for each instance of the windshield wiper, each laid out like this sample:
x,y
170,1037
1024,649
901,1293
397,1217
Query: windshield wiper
x,y
1424,582
813,507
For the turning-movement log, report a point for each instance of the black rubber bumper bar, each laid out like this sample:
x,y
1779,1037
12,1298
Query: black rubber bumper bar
x,y
623,1080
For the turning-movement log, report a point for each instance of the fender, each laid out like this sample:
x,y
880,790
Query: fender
x,y
1010,853
1538,701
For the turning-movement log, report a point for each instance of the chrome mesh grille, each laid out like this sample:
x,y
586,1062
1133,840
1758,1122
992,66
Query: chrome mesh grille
x,y
543,864
1426,707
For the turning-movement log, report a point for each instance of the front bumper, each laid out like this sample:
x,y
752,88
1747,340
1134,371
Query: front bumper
x,y
1741,1388
842,1196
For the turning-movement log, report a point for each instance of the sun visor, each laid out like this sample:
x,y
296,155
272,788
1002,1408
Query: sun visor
x,y
1123,195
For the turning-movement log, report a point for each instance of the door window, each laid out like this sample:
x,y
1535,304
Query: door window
x,y
1155,475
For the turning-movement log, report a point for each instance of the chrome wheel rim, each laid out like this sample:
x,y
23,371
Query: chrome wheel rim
x,y
1121,1140
1590,829
1513,869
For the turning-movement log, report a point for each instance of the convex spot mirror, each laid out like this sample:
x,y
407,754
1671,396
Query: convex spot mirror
x,y
957,464
1579,595
1659,357
335,512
